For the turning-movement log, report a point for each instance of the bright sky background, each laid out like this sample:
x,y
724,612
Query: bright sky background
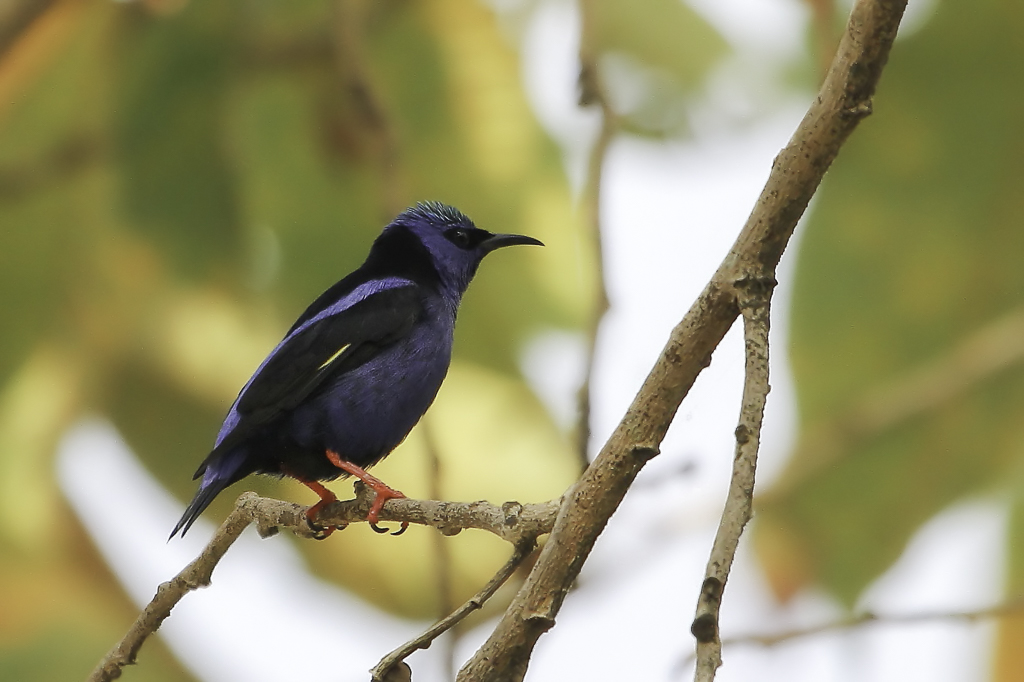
x,y
671,212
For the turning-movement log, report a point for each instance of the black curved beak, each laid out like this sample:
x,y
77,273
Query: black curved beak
x,y
498,241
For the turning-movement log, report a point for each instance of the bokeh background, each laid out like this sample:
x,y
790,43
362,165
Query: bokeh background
x,y
179,179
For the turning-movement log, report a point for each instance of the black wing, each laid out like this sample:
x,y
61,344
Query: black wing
x,y
334,345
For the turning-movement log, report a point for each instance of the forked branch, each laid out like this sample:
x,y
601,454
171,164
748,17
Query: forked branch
x,y
517,523
755,306
1012,607
844,99
522,552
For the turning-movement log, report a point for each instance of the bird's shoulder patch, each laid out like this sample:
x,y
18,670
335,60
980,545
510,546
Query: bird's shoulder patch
x,y
346,293
339,339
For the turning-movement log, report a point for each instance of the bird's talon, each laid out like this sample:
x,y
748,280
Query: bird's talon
x,y
320,532
378,529
405,527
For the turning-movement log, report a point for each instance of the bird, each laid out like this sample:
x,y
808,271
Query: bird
x,y
358,369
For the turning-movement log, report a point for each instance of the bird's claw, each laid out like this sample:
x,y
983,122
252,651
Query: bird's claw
x,y
320,532
382,492
377,529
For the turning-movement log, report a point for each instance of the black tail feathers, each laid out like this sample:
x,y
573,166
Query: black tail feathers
x,y
219,471
204,496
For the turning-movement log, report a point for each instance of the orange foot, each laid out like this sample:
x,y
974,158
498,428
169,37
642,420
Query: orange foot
x,y
326,497
383,491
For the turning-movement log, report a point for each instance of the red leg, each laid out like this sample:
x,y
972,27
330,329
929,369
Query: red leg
x,y
384,492
326,497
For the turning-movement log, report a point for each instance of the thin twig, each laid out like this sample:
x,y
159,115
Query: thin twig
x,y
442,551
521,553
755,308
249,507
514,522
348,29
1008,608
844,100
592,92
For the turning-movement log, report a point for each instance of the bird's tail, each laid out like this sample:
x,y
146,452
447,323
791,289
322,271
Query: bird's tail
x,y
220,470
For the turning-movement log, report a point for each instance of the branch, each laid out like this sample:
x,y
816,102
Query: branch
x,y
379,673
249,507
844,99
517,523
512,521
739,503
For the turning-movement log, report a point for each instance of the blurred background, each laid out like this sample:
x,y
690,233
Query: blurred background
x,y
179,179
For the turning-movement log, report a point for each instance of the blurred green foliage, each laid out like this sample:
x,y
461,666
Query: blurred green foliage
x,y
179,179
652,60
908,323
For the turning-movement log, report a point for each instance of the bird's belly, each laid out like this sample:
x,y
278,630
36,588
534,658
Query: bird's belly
x,y
367,412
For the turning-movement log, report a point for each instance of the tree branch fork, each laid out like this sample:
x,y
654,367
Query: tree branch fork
x,y
519,524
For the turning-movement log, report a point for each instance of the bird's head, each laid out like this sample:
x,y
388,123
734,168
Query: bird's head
x,y
454,244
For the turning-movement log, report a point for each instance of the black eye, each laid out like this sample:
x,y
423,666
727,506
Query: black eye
x,y
460,237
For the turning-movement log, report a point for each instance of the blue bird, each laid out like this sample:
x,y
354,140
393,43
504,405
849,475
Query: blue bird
x,y
358,368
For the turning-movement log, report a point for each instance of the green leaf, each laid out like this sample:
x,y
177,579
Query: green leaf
x,y
908,291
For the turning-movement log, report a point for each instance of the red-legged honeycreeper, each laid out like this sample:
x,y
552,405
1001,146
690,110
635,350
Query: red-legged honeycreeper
x,y
359,368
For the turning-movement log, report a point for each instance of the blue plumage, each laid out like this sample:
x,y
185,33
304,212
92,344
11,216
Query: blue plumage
x,y
359,367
